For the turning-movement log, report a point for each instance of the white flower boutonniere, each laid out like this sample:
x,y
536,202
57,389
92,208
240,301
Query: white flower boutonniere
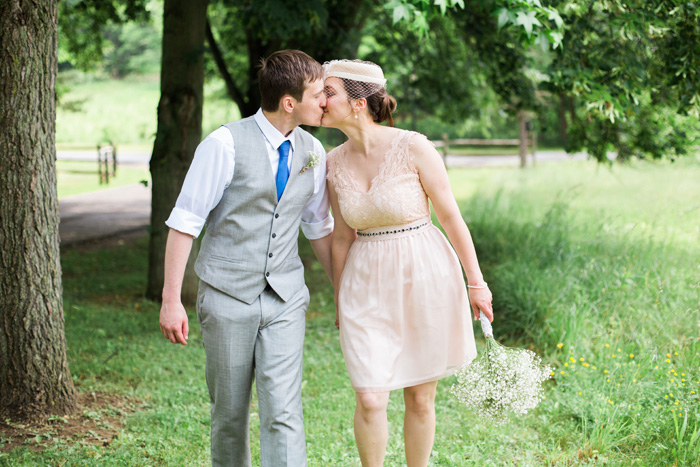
x,y
314,161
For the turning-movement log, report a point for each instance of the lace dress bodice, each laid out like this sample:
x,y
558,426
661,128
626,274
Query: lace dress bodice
x,y
395,196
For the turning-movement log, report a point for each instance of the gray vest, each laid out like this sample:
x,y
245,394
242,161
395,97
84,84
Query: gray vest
x,y
251,240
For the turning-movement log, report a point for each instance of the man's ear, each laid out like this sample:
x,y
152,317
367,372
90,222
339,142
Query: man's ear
x,y
287,103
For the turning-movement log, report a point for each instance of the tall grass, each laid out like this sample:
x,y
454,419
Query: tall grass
x,y
596,270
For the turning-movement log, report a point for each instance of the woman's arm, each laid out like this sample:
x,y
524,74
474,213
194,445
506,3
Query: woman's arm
x,y
436,184
343,237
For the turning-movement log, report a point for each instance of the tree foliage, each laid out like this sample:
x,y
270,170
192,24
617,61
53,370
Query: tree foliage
x,y
627,73
81,24
634,70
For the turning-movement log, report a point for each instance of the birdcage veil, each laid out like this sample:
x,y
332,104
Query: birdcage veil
x,y
360,78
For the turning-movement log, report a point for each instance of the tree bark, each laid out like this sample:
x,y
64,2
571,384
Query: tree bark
x,y
34,377
179,129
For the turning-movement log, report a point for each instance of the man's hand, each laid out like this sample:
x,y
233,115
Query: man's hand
x,y
173,322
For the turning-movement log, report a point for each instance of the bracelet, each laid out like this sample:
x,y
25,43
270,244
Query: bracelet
x,y
478,286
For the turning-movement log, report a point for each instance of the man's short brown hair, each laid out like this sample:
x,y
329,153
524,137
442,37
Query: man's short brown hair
x,y
286,72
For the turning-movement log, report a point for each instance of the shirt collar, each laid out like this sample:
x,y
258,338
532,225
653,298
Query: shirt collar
x,y
272,134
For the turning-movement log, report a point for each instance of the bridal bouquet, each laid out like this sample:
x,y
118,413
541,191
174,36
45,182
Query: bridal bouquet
x,y
501,381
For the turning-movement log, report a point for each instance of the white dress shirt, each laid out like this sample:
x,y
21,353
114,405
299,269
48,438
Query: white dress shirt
x,y
211,173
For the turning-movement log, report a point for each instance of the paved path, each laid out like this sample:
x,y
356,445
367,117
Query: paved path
x,y
104,213
116,211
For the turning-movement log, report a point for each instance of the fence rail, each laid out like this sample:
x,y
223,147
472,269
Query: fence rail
x,y
526,141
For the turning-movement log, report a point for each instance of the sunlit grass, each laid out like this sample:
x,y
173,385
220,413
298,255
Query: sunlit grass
x,y
74,177
595,269
96,110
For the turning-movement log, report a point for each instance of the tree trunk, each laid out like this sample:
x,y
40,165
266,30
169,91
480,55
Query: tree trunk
x,y
34,377
179,129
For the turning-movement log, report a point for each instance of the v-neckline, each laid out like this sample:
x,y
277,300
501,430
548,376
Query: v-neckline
x,y
382,165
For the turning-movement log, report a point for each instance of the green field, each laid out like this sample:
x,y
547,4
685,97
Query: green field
x,y
74,177
595,269
94,110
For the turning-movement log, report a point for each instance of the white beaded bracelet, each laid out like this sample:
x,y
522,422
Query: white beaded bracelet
x,y
478,286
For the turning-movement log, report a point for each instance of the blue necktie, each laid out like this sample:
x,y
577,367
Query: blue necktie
x,y
282,168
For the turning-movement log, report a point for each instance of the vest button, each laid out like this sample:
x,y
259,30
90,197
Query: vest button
x,y
267,274
274,235
270,255
276,216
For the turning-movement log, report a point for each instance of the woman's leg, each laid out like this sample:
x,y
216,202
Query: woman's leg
x,y
371,427
419,423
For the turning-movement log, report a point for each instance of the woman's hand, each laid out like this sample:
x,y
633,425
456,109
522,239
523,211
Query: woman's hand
x,y
480,299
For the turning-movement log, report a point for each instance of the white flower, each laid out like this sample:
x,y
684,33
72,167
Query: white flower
x,y
501,382
314,161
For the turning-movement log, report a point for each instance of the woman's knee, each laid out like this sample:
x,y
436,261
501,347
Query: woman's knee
x,y
372,402
420,400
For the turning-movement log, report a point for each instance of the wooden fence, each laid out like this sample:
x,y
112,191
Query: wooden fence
x,y
106,156
527,140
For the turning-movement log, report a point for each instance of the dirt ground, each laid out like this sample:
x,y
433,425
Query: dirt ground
x,y
97,420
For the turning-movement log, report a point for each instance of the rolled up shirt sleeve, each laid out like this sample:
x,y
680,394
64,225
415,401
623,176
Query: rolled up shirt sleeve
x,y
209,175
316,218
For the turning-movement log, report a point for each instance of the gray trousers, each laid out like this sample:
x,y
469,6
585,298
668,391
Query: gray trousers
x,y
264,340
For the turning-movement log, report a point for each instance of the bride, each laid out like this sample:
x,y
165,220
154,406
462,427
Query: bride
x,y
402,305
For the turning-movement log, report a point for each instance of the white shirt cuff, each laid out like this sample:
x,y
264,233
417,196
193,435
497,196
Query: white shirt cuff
x,y
318,229
185,222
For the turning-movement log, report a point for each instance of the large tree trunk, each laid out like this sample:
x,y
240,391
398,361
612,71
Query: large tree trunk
x,y
179,129
34,376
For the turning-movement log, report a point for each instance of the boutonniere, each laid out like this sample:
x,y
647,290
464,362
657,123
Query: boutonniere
x,y
314,161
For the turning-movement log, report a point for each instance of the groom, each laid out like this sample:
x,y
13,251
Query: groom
x,y
253,182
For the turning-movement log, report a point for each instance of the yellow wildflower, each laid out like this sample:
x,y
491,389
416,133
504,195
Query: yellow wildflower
x,y
560,345
631,355
607,345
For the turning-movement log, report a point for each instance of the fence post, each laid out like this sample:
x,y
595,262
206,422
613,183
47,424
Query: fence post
x,y
99,164
114,159
522,133
444,148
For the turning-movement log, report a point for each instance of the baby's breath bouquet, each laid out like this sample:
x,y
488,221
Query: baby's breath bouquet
x,y
501,382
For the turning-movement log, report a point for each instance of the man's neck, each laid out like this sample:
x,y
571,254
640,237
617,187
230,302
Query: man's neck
x,y
282,121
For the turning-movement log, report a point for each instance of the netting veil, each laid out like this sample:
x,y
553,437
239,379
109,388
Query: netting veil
x,y
361,79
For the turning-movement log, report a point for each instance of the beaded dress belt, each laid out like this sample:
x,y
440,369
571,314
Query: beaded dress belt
x,y
406,229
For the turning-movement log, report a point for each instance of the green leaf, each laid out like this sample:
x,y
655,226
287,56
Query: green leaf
x,y
554,16
443,6
401,12
504,17
527,21
555,38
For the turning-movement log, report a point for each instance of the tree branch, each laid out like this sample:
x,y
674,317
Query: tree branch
x,y
231,88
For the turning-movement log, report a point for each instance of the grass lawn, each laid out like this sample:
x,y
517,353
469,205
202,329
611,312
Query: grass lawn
x,y
595,269
74,177
124,111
